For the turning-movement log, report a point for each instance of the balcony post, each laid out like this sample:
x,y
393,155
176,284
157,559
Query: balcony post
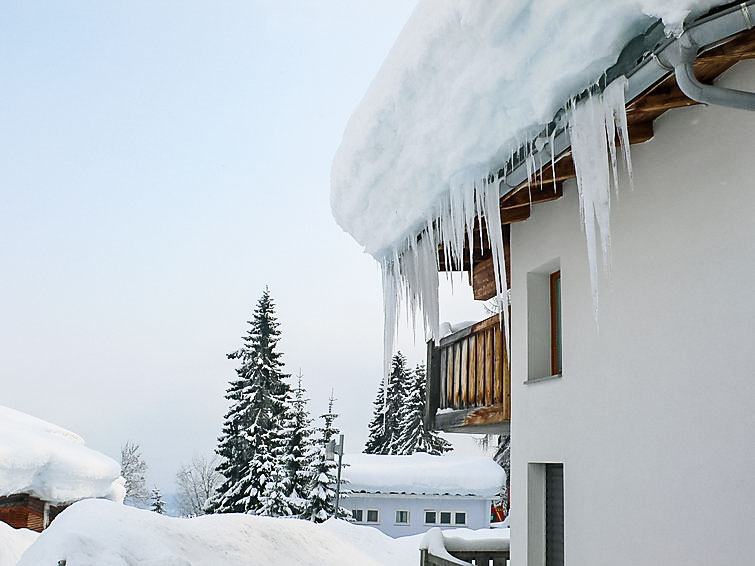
x,y
432,384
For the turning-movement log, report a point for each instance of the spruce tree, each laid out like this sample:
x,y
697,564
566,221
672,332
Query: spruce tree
x,y
377,439
413,435
158,505
385,426
322,488
300,451
251,441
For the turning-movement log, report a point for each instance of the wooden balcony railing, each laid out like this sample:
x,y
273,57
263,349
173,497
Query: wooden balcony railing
x,y
469,380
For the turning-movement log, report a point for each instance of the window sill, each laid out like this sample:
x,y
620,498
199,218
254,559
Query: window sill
x,y
545,378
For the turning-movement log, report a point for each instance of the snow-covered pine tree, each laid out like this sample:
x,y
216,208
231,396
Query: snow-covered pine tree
x,y
322,489
503,457
157,505
252,432
301,451
377,439
384,427
413,436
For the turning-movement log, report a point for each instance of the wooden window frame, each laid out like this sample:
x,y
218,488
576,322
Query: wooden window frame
x,y
556,364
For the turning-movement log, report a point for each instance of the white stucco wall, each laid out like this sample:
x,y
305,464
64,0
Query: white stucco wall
x,y
477,509
653,418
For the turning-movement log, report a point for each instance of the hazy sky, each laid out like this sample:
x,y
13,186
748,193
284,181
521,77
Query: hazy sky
x,y
160,163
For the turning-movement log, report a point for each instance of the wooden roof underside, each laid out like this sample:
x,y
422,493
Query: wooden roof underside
x,y
516,205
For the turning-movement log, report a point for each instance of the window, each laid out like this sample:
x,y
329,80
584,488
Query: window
x,y
402,517
430,517
544,322
545,510
372,516
445,517
357,515
555,303
460,518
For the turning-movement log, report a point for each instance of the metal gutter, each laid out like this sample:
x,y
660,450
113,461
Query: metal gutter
x,y
645,61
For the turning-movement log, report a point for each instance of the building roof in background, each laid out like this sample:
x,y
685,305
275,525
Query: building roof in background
x,y
465,84
52,463
423,474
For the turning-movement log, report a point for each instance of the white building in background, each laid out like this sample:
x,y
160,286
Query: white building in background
x,y
407,495
629,387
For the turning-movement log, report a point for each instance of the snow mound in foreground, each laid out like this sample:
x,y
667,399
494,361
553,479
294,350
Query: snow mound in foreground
x,y
466,82
101,533
13,543
52,463
425,474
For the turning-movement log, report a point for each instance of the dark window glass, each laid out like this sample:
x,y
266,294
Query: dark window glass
x,y
460,519
445,517
430,517
357,515
402,517
556,336
372,516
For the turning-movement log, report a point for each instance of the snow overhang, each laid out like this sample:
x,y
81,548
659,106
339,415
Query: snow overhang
x,y
438,118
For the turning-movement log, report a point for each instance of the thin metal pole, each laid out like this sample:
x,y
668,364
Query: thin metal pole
x,y
338,481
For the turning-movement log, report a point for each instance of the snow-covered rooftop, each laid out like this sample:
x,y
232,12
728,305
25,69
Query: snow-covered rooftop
x,y
423,474
465,84
52,463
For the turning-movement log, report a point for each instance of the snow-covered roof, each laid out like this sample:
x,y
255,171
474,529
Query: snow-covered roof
x,y
465,84
423,474
52,463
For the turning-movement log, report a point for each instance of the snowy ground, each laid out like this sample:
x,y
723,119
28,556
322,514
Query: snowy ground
x,y
102,533
13,543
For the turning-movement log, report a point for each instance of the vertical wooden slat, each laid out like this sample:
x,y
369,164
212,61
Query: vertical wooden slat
x,y
489,366
472,369
457,376
451,368
443,378
481,369
498,379
464,376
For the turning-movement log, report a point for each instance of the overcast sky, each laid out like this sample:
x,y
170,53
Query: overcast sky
x,y
161,162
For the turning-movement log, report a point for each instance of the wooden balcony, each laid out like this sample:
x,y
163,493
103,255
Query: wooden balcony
x,y
469,381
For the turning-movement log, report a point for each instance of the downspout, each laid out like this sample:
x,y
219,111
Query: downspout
x,y
681,57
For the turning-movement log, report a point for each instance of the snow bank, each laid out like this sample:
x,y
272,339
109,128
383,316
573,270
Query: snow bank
x,y
13,543
52,463
425,474
96,532
465,83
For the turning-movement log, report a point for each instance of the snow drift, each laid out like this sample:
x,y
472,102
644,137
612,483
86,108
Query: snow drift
x,y
13,543
52,463
100,533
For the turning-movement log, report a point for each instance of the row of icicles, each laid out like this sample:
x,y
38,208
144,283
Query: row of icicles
x,y
410,273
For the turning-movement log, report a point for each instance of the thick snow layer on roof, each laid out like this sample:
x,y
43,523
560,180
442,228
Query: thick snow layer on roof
x,y
52,463
13,543
424,474
102,533
466,82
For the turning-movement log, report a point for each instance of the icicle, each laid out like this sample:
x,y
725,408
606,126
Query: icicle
x,y
592,127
